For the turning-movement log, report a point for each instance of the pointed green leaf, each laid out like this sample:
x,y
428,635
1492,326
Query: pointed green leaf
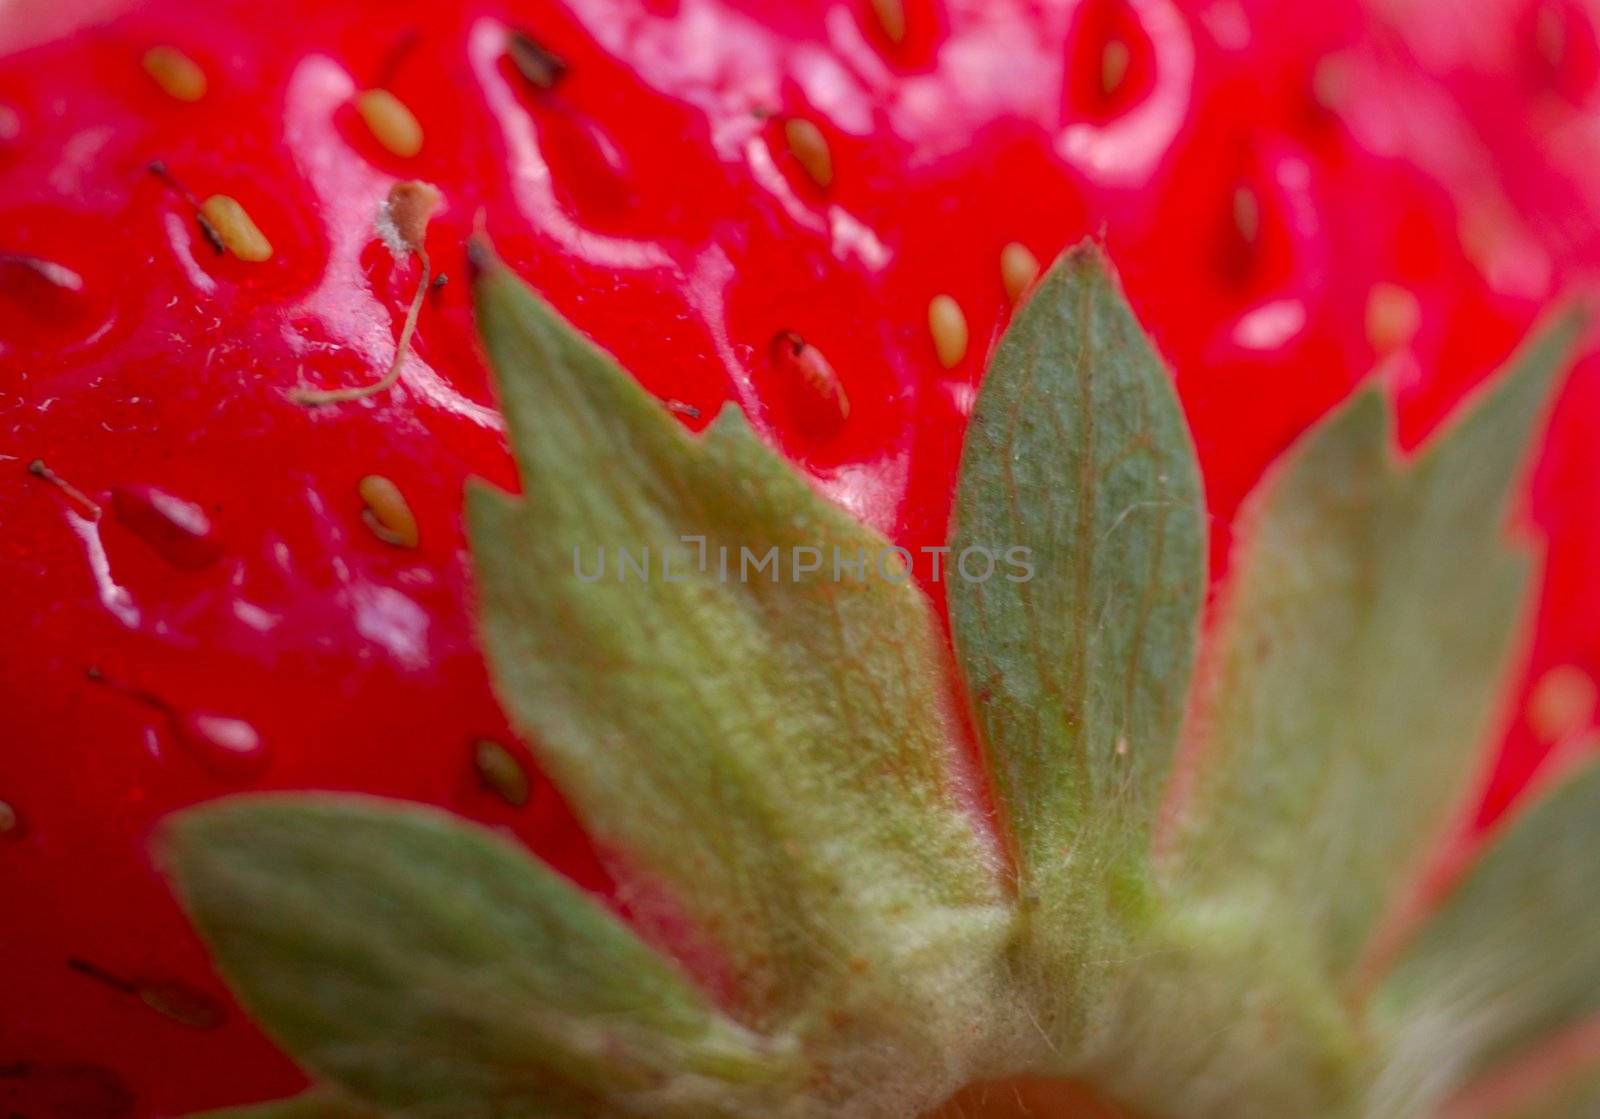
x,y
1511,957
430,969
1365,633
1078,452
770,747
749,706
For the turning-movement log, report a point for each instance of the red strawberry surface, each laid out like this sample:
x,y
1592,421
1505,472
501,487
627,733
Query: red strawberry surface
x,y
1292,199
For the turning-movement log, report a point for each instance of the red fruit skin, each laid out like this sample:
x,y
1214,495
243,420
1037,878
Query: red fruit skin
x,y
650,197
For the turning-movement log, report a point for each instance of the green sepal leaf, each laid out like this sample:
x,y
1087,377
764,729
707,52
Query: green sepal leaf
x,y
1365,631
1079,453
770,748
769,758
430,969
1512,956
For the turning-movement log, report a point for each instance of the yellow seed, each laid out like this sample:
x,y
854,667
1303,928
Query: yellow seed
x,y
810,147
238,233
387,514
1113,65
176,73
1563,701
8,818
891,16
392,124
948,325
1393,316
1018,268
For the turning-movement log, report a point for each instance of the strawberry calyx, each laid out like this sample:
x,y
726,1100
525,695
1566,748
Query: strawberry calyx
x,y
750,705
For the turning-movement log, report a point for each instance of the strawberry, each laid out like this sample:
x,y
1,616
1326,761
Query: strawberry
x,y
756,208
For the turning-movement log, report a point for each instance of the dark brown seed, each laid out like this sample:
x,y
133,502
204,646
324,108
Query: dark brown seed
x,y
500,771
541,66
184,1005
179,1001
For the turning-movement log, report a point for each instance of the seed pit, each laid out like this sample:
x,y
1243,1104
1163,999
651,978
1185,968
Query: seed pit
x,y
1246,214
811,384
177,530
539,65
56,275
